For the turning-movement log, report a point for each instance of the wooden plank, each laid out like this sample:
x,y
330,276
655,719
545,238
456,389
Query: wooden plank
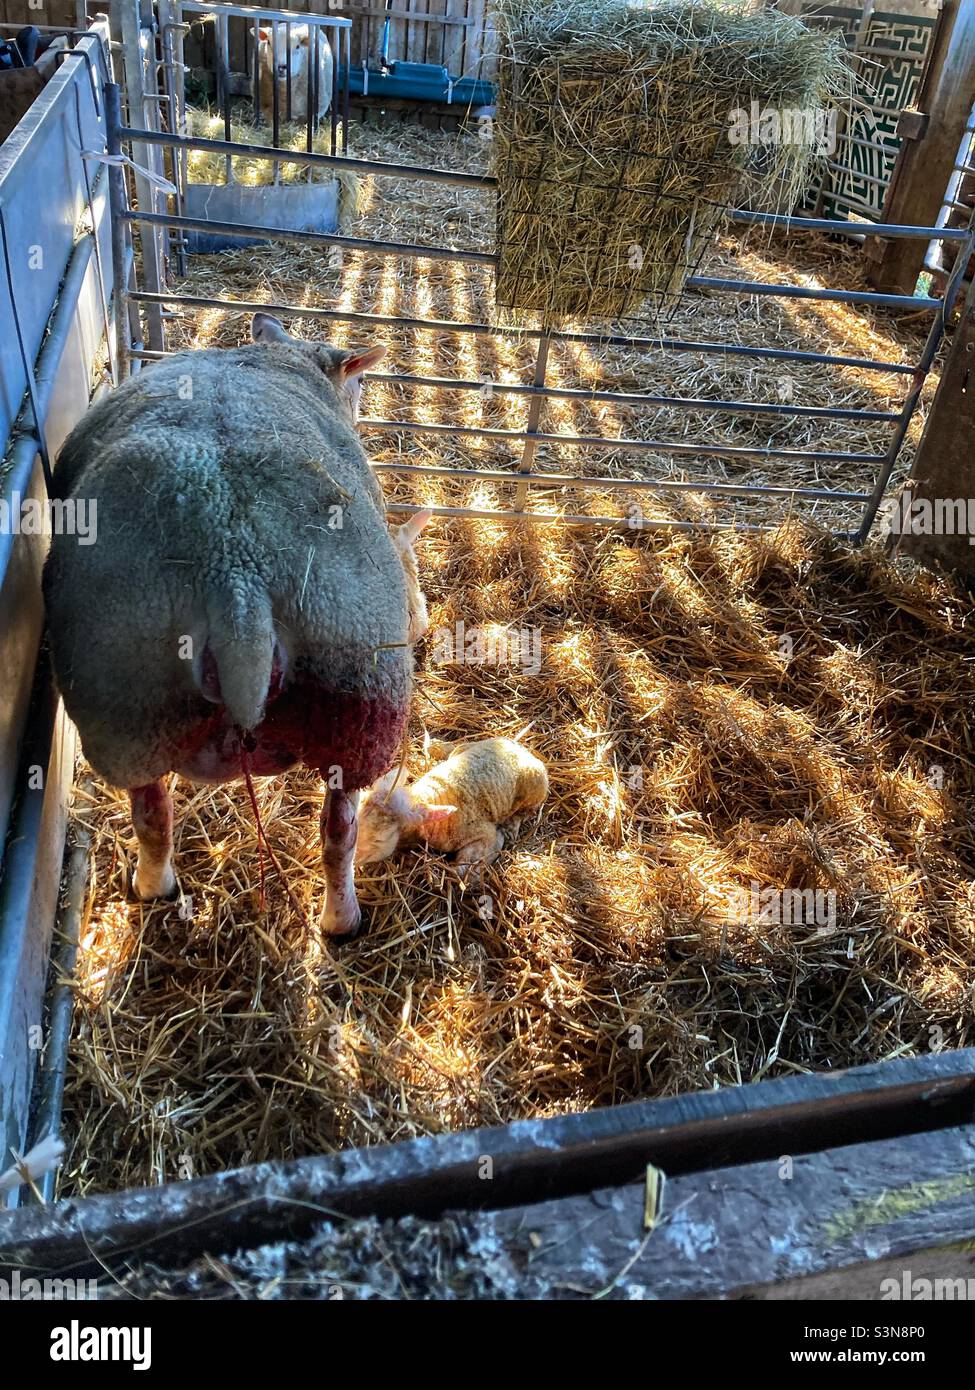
x,y
417,16
499,1167
924,166
416,34
489,40
473,39
397,40
881,1221
838,1223
944,465
453,46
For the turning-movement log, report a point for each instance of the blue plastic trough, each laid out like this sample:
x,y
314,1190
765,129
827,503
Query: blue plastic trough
x,y
418,82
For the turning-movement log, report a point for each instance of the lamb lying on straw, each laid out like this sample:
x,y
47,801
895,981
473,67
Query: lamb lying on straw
x,y
471,803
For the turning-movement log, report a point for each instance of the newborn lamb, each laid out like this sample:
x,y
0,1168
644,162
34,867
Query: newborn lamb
x,y
471,803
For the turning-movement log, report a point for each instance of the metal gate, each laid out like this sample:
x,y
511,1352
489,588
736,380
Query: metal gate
x,y
136,301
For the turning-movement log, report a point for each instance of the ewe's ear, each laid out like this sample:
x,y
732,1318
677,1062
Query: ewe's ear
x,y
358,362
304,40
265,328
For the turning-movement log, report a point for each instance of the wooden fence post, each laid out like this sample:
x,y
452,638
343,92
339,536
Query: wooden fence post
x,y
925,163
942,478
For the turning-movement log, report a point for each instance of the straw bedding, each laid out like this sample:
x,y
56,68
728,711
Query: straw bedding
x,y
691,756
617,152
206,166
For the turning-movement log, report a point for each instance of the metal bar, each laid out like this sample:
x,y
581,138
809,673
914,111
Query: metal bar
x,y
118,204
360,166
827,224
898,301
877,145
347,44
144,157
90,187
571,393
857,174
441,470
315,56
309,127
25,358
489,329
22,865
534,415
742,287
23,444
568,519
287,93
275,94
256,78
447,176
54,1068
334,45
392,248
649,446
173,82
250,12
180,88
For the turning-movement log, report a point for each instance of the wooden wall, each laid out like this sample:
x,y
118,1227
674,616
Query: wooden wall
x,y
57,12
466,46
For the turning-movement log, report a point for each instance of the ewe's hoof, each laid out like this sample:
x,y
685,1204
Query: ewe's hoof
x,y
163,889
341,931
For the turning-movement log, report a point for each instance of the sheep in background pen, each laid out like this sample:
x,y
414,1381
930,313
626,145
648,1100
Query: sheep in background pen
x,y
472,802
276,54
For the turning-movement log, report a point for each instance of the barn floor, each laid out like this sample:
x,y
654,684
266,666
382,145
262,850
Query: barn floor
x,y
693,754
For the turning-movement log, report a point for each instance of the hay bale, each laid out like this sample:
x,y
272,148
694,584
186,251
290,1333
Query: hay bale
x,y
618,146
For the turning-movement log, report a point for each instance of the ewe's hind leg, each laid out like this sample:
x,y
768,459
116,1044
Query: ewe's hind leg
x,y
340,914
152,818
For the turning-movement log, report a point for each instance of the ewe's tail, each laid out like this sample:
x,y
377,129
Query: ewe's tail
x,y
238,659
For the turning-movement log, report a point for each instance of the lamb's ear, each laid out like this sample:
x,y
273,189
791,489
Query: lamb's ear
x,y
264,35
433,814
358,362
383,785
265,328
409,531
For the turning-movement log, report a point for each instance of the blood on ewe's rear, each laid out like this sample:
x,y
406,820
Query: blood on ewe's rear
x,y
244,604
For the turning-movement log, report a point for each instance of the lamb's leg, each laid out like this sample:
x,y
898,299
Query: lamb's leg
x,y
340,915
511,829
152,818
483,848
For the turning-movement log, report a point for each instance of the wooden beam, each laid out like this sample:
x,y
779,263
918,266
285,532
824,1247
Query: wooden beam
x,y
924,165
887,1220
500,1167
943,470
833,1224
414,16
